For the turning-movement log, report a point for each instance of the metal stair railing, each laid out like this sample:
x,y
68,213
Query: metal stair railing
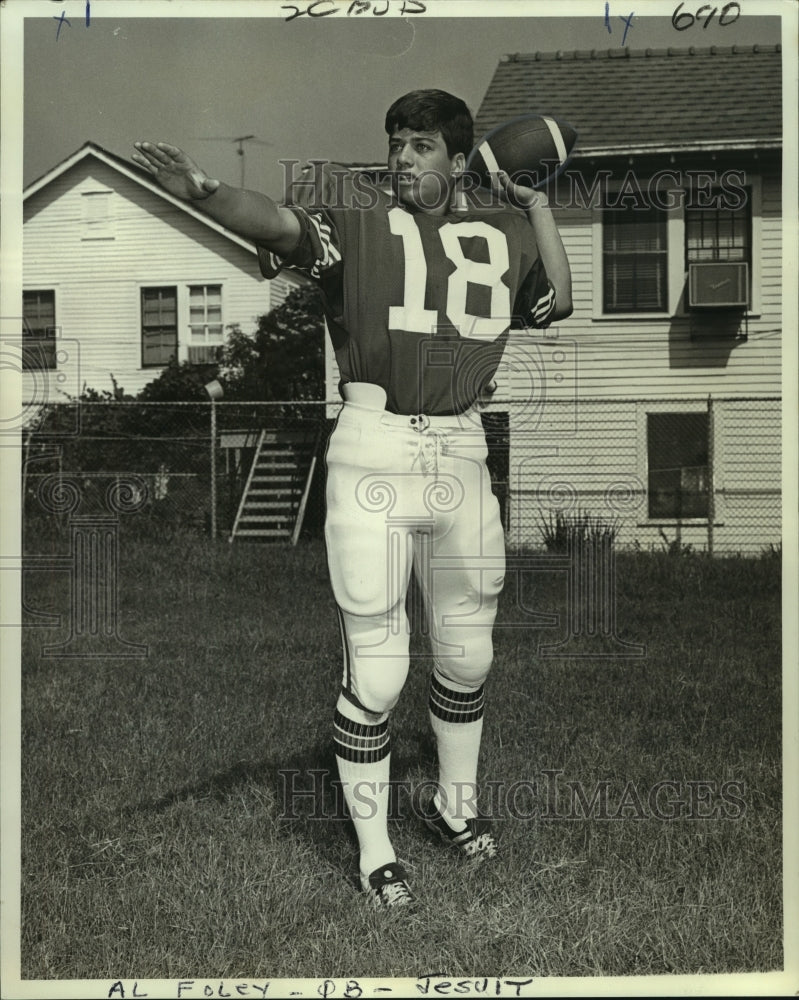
x,y
246,490
306,491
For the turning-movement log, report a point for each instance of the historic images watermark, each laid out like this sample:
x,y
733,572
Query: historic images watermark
x,y
49,371
549,795
321,184
46,366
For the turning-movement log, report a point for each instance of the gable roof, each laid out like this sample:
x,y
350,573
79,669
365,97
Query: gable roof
x,y
650,100
135,173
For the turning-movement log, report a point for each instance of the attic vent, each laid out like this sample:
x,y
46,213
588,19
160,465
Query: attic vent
x,y
98,223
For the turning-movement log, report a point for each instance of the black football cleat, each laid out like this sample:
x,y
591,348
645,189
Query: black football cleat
x,y
387,886
476,842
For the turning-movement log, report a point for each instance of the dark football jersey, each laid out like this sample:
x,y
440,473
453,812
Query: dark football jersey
x,y
416,303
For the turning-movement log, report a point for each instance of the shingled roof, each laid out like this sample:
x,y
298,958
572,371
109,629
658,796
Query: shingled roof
x,y
625,100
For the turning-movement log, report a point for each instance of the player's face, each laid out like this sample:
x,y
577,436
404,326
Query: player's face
x,y
423,170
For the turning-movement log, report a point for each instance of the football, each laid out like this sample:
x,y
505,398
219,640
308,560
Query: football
x,y
532,149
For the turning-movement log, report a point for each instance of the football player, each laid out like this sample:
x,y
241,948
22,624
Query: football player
x,y
422,281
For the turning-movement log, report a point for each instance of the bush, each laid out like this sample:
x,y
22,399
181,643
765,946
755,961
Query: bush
x,y
184,382
561,532
284,359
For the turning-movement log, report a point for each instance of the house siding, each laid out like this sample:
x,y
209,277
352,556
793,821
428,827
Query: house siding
x,y
667,354
570,459
747,478
578,395
98,281
591,457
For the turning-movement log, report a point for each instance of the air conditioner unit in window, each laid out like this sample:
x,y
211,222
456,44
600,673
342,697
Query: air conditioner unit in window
x,y
203,354
718,285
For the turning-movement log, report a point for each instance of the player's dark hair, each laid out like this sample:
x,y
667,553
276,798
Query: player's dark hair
x,y
434,111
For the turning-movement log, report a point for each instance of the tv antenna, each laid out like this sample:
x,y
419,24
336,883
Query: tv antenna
x,y
240,140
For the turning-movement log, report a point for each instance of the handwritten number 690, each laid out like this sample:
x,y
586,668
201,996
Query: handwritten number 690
x,y
685,20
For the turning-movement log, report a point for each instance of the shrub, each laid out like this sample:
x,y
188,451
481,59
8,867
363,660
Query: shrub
x,y
561,531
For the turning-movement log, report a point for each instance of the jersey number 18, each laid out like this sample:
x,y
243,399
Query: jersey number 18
x,y
412,314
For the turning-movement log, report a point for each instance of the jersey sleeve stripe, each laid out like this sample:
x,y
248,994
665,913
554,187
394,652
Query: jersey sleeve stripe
x,y
315,252
544,307
330,254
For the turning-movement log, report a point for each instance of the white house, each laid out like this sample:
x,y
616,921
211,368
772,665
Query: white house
x,y
657,402
119,277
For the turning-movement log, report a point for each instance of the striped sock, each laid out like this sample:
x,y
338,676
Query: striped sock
x,y
456,716
363,756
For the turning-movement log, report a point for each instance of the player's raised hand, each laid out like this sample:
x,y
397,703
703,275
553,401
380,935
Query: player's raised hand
x,y
519,194
176,172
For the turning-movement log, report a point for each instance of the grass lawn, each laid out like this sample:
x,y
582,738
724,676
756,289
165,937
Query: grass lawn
x,y
643,835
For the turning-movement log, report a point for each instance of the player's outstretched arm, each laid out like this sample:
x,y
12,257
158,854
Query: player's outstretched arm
x,y
248,213
174,170
550,246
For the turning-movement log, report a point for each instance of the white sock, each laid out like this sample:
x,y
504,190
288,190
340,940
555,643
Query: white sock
x,y
456,716
363,757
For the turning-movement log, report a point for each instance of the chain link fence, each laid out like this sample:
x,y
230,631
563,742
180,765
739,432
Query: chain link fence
x,y
167,467
657,473
660,474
